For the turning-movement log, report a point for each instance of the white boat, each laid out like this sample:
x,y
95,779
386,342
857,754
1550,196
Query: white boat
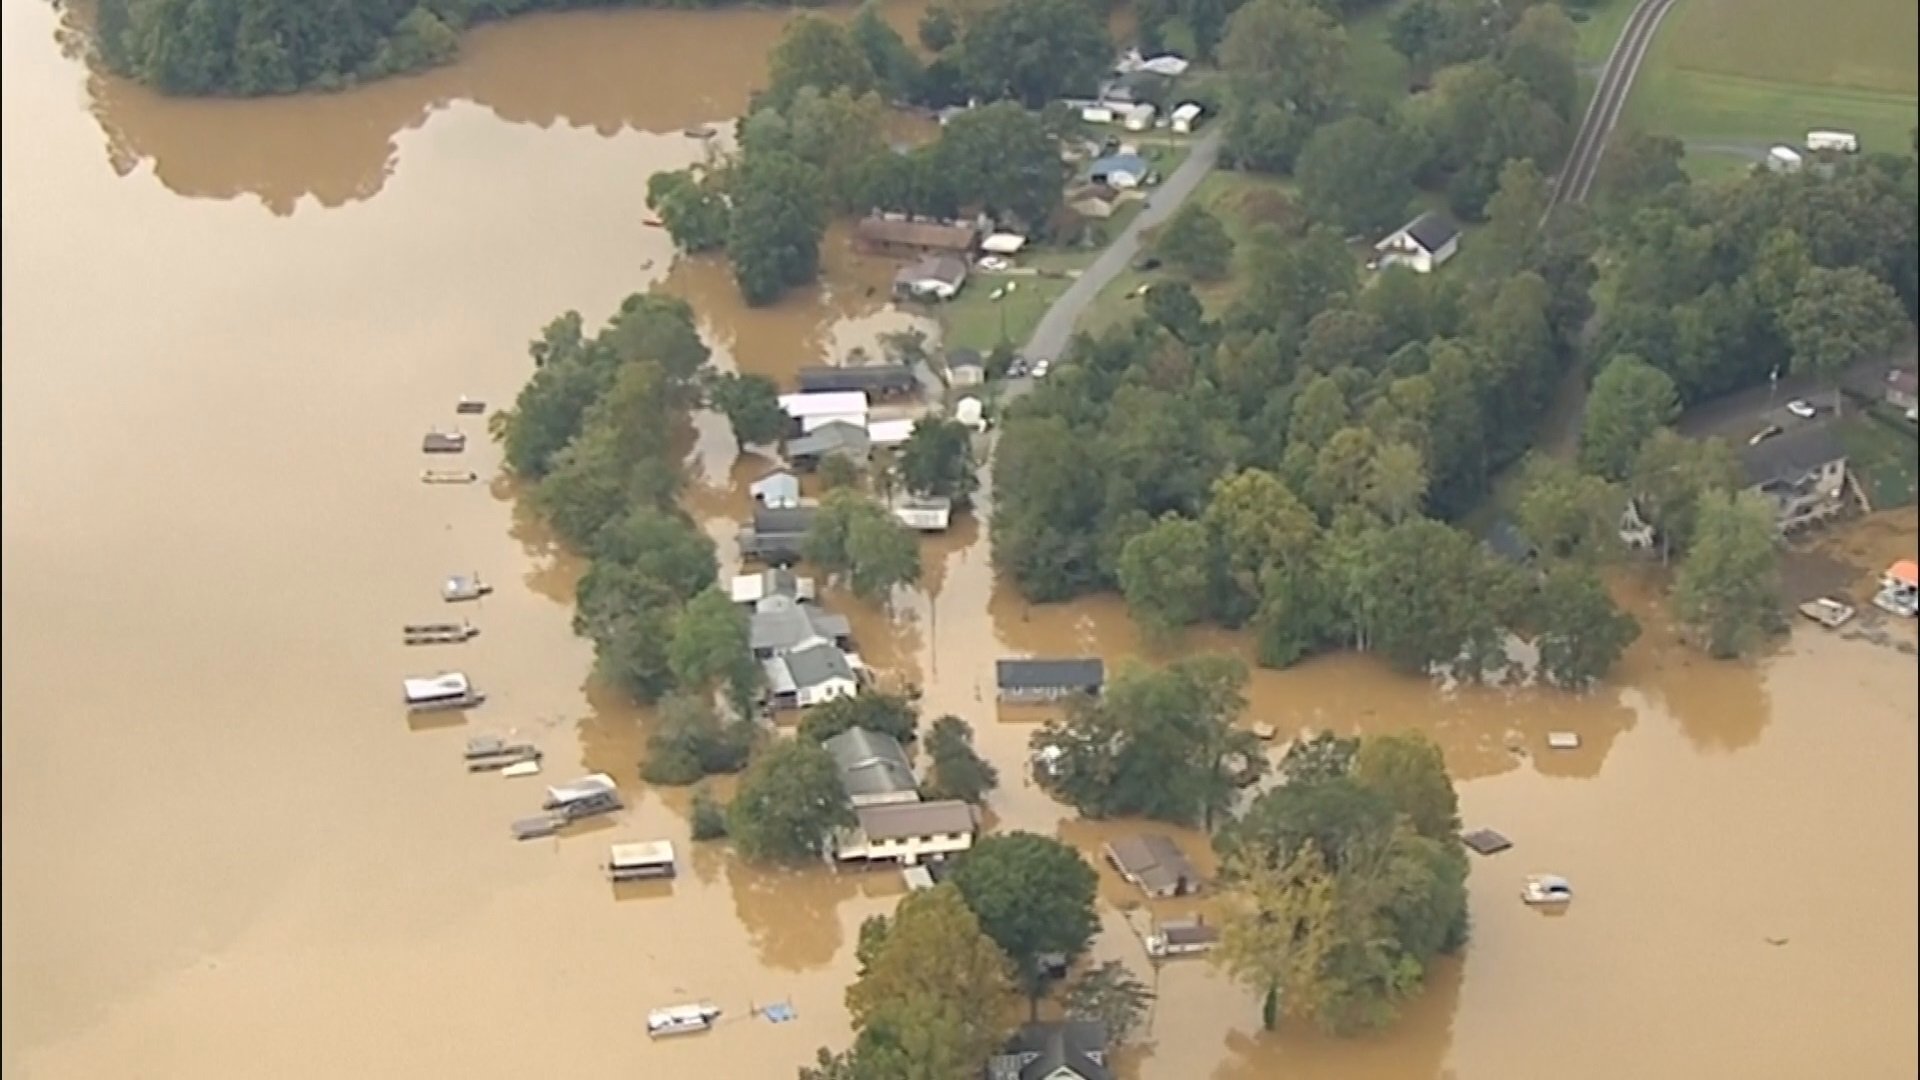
x,y
1547,889
681,1019
449,690
590,795
460,587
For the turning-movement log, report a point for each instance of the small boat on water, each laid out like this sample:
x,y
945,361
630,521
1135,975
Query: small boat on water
x,y
653,223
439,633
698,131
681,1019
448,476
439,693
533,828
1828,612
1547,889
443,442
459,587
469,406
586,797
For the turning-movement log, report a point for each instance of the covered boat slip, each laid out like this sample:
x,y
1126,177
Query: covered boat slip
x,y
641,860
438,633
486,753
590,795
449,690
458,587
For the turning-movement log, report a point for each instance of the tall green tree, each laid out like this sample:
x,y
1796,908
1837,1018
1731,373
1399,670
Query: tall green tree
x,y
854,537
690,741
937,983
1285,53
1583,633
710,649
937,459
751,403
1630,400
1727,593
1672,476
888,714
1407,768
1034,896
1567,514
1194,242
1839,318
779,216
1164,574
1108,994
1358,175
789,802
692,207
1000,159
1035,51
818,53
957,770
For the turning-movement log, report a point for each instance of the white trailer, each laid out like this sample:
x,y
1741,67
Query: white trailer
x,y
1846,142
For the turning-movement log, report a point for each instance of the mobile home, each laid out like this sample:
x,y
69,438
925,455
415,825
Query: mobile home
x,y
1846,142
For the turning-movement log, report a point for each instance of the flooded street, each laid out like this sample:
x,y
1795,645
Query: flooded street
x,y
227,855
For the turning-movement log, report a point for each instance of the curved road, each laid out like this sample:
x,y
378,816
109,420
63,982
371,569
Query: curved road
x,y
1609,99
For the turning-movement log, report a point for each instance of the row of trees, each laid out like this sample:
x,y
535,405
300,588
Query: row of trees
x,y
1503,88
1723,286
1273,467
594,435
1345,881
815,146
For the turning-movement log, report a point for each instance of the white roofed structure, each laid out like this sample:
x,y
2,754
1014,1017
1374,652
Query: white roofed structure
x,y
828,405
1003,244
889,432
451,684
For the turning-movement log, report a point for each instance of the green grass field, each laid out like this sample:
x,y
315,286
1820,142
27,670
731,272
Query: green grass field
x,y
973,320
1882,459
1753,72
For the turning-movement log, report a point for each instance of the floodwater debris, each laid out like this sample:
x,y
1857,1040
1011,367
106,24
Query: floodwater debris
x,y
469,406
1563,740
523,768
448,476
1542,889
443,442
486,753
1486,842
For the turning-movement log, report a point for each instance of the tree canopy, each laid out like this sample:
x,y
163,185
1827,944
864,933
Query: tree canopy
x,y
854,537
789,802
1727,591
1034,897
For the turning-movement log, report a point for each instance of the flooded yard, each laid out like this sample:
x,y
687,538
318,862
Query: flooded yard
x,y
227,855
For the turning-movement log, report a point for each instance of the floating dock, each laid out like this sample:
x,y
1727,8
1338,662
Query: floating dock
x,y
448,476
534,828
485,753
467,406
1828,612
438,633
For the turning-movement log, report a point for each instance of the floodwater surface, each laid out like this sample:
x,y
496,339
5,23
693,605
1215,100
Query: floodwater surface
x,y
227,854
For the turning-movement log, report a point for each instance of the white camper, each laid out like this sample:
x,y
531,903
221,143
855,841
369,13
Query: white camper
x,y
1184,118
1845,142
1140,117
1783,159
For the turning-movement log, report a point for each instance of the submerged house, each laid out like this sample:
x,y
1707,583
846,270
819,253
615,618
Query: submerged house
x,y
1060,1050
775,537
1802,474
923,513
808,676
907,833
835,439
1422,244
873,380
775,582
873,768
782,624
903,238
1153,863
1048,680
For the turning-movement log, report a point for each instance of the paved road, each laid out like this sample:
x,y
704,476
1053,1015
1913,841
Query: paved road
x,y
1050,338
1609,98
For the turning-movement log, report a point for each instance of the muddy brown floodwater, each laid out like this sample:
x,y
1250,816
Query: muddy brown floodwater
x,y
226,855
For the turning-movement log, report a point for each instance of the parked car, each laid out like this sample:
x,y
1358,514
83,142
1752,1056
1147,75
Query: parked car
x,y
1017,369
1040,368
994,264
1802,409
1764,434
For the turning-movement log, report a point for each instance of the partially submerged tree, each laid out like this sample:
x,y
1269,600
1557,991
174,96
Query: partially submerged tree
x,y
958,771
1727,593
1034,896
1109,995
789,802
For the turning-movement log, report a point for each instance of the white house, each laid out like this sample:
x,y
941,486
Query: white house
x,y
810,411
1167,64
1184,117
751,590
778,490
1139,117
1096,114
970,412
811,676
1003,243
908,833
932,277
1421,244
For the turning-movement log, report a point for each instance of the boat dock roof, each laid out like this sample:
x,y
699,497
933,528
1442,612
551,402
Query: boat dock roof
x,y
641,853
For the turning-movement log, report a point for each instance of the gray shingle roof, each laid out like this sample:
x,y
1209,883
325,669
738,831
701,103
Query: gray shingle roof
x,y
835,436
870,762
1791,455
856,377
1039,1051
1154,862
790,521
1088,674
896,821
817,664
1432,230
781,623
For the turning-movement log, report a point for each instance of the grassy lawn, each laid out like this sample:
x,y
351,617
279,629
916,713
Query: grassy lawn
x,y
1599,30
1375,72
975,321
1883,460
1754,72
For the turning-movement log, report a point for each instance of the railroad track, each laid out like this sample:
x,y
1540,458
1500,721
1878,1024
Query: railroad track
x,y
1609,99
